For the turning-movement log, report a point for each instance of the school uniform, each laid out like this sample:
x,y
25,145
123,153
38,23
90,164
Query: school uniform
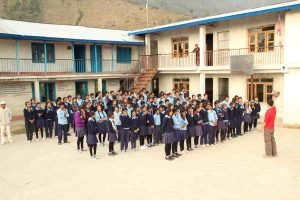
x,y
212,126
190,130
183,132
221,124
177,124
135,127
49,120
112,134
55,109
118,123
226,124
30,126
168,134
93,130
239,119
68,107
204,136
197,128
102,125
125,132
62,116
247,119
157,128
256,115
39,121
150,128
79,123
143,127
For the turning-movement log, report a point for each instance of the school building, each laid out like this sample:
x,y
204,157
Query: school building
x,y
263,42
248,53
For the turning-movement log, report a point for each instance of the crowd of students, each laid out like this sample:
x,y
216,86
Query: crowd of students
x,y
174,119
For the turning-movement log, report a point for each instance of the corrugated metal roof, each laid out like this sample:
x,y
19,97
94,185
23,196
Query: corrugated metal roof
x,y
223,17
53,32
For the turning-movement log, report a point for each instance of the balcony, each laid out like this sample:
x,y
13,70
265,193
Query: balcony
x,y
218,58
15,67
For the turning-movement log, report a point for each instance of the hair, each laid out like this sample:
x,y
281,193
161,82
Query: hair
x,y
270,102
92,113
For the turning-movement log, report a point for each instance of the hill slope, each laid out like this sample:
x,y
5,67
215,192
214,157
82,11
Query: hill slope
x,y
113,14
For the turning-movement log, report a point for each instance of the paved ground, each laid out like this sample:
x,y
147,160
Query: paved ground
x,y
234,170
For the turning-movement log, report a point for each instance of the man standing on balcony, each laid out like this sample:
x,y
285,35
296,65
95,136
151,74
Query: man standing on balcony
x,y
197,52
5,118
268,128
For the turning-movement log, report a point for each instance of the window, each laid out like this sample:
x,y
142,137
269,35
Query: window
x,y
124,55
47,91
261,39
262,88
180,84
180,47
223,40
38,53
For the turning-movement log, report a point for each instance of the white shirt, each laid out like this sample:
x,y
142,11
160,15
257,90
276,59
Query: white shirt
x,y
5,116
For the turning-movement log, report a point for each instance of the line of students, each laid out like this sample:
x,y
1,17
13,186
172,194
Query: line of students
x,y
172,118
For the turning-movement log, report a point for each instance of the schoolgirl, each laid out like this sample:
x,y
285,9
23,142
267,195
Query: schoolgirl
x,y
168,134
101,119
221,125
257,110
231,120
29,120
92,136
55,109
79,119
134,126
74,107
94,105
39,121
157,126
183,130
204,117
150,126
247,117
198,126
213,123
177,124
190,128
239,118
49,119
117,114
224,134
112,134
125,130
87,114
143,126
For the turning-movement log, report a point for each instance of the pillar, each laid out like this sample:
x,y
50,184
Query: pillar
x,y
147,44
73,58
202,44
202,83
99,84
37,91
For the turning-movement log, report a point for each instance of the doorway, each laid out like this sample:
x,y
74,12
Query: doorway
x,y
223,88
209,85
209,49
81,88
79,56
96,64
155,86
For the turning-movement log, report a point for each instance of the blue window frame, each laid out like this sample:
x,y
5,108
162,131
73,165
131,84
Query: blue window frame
x,y
47,91
124,55
38,53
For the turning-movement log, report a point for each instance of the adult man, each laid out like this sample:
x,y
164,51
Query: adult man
x,y
5,118
268,127
62,115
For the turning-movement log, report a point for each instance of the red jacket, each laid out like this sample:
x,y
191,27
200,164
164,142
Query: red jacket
x,y
270,117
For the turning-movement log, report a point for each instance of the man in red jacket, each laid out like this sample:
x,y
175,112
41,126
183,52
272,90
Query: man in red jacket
x,y
270,144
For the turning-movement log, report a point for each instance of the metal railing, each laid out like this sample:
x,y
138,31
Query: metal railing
x,y
12,66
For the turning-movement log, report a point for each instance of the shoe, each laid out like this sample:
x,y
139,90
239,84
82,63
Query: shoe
x,y
169,158
178,154
114,153
111,154
67,142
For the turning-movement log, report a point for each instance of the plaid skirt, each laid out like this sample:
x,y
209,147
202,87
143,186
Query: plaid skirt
x,y
190,131
168,138
143,131
92,139
80,132
102,127
183,135
197,131
247,118
221,125
40,123
177,136
112,137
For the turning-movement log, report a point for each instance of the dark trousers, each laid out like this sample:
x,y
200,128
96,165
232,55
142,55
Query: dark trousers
x,y
203,139
211,134
93,147
124,138
239,126
80,142
56,126
223,134
49,128
157,135
37,132
174,147
132,138
247,127
168,149
142,142
255,123
189,142
181,144
62,132
102,138
119,133
231,132
149,139
29,130
196,140
111,147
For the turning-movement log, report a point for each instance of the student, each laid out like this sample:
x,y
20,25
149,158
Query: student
x,y
94,105
190,127
224,134
117,114
5,118
221,125
177,124
74,107
204,117
183,130
80,132
157,126
150,127
247,117
112,134
62,115
134,126
143,126
231,120
55,109
29,120
101,119
68,107
213,123
92,136
257,110
125,130
39,121
49,119
168,134
197,128
239,115
87,108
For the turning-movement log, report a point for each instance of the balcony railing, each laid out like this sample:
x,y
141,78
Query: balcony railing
x,y
12,66
274,56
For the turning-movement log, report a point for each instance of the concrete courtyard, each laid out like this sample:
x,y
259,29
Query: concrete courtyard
x,y
233,170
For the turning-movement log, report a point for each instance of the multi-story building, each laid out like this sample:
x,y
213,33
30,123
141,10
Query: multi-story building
x,y
45,61
262,42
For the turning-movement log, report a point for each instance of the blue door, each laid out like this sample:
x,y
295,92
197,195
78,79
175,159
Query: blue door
x,y
79,56
96,58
